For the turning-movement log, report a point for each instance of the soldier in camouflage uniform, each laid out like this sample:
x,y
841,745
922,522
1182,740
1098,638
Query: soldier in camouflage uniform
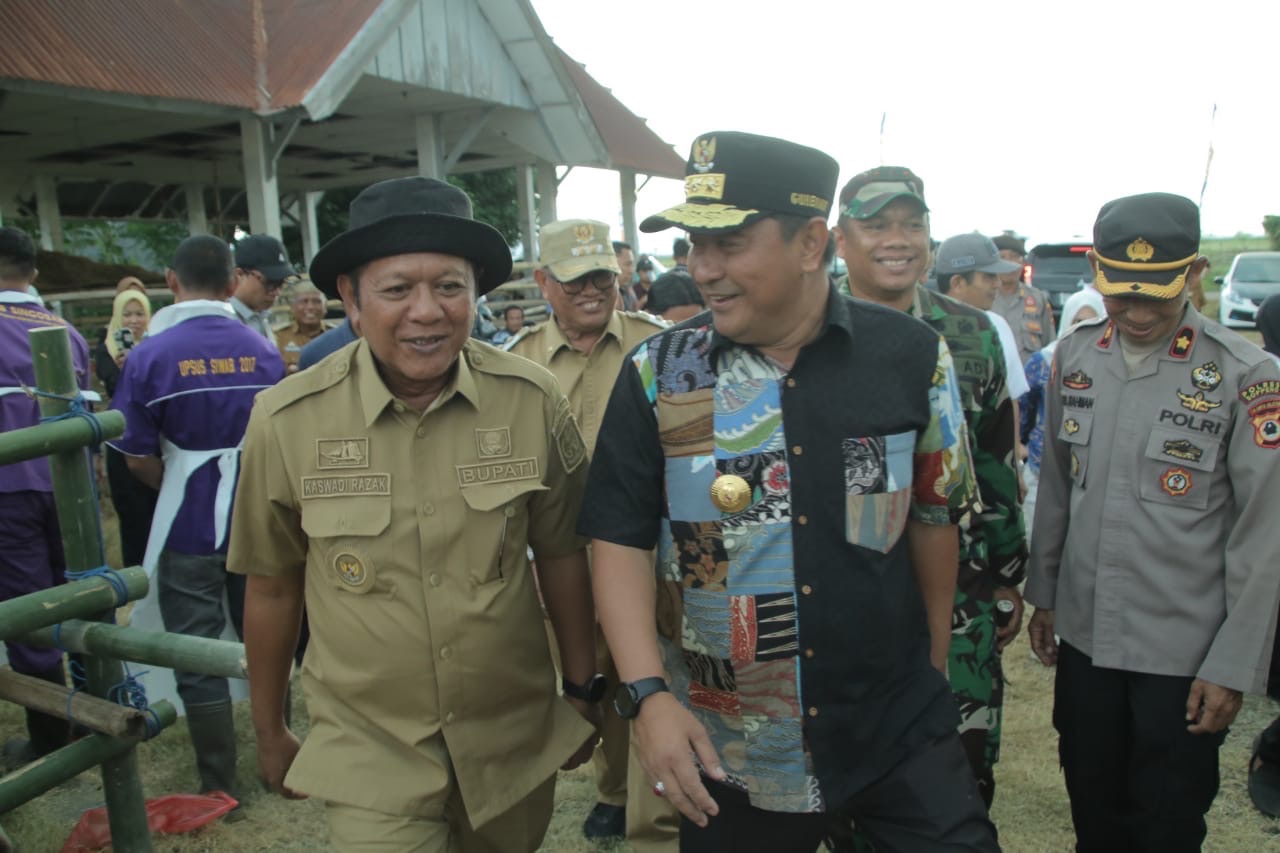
x,y
883,235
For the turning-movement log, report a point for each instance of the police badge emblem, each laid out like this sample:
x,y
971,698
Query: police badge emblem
x,y
1265,417
1206,377
1175,482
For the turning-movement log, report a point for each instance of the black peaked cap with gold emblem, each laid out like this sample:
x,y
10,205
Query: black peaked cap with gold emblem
x,y
733,179
1145,245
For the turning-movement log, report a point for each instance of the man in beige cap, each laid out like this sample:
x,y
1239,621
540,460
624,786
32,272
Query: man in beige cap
x,y
584,344
307,306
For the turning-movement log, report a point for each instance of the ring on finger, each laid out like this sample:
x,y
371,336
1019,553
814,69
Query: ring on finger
x,y
659,789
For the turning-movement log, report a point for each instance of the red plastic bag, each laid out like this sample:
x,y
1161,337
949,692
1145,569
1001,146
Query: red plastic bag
x,y
168,815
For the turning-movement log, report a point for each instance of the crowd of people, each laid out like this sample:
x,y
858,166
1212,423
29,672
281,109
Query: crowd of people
x,y
745,536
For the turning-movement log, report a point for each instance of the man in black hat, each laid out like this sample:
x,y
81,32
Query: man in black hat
x,y
398,486
262,268
799,461
1154,550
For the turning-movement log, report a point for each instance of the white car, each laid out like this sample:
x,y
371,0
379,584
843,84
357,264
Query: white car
x,y
1253,277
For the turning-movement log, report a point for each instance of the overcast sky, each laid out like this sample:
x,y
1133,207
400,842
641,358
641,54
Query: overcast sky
x,y
1016,115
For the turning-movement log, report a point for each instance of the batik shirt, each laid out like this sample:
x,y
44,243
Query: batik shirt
x,y
801,644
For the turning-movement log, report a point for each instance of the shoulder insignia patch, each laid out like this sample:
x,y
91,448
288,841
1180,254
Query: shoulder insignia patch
x,y
1265,388
1265,417
1182,342
1206,377
568,438
1077,380
1197,402
1175,482
1105,341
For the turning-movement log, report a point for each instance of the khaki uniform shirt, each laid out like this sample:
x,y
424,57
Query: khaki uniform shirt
x,y
291,340
1029,314
587,378
1155,538
412,531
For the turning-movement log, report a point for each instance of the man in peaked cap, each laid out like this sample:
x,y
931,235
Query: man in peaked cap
x,y
1025,308
584,343
799,461
1154,548
396,487
883,234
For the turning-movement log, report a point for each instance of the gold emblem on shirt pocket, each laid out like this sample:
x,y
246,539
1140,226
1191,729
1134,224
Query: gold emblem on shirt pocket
x,y
345,532
878,474
1075,430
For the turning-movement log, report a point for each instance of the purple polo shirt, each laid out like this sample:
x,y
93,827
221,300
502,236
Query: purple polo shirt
x,y
194,385
19,313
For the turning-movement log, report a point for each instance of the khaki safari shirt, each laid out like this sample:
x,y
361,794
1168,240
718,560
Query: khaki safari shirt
x,y
1029,314
587,378
427,654
291,340
1155,539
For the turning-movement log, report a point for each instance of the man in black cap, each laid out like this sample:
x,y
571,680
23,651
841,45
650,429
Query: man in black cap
x,y
1024,308
398,485
262,268
1154,550
799,461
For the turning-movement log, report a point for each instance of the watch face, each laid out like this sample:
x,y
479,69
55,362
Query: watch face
x,y
624,701
597,687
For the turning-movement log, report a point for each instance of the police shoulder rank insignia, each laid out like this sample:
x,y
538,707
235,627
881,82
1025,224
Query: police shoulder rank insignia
x,y
704,154
568,438
1197,402
1265,417
350,569
1077,380
1182,342
1206,377
1175,482
730,493
1183,449
1140,250
1071,425
493,443
1104,342
342,453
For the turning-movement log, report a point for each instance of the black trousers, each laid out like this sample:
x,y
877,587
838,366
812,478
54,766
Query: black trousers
x,y
1138,781
135,504
929,803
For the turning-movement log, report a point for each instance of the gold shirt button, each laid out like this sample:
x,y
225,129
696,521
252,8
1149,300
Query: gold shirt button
x,y
428,509
433,579
509,512
399,407
422,432
446,653
813,712
340,369
808,653
806,589
798,450
477,358
803,520
791,383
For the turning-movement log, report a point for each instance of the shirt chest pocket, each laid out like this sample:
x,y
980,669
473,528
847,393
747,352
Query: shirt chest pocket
x,y
1075,431
877,484
496,528
345,536
1177,469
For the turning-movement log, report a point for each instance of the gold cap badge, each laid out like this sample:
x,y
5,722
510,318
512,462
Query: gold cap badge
x,y
1140,250
583,233
730,493
704,154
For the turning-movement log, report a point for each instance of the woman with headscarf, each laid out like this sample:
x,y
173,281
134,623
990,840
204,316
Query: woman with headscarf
x,y
134,502
1082,305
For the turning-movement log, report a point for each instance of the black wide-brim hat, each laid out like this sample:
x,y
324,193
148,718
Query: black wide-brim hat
x,y
733,179
408,215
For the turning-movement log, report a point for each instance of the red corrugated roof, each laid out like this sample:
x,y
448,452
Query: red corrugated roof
x,y
262,55
631,143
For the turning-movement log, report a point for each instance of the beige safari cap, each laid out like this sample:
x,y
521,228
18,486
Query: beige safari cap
x,y
575,247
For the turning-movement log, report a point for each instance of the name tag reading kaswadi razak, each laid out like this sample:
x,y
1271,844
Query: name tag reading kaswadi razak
x,y
346,485
498,472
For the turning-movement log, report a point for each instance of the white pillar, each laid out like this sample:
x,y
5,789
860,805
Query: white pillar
x,y
49,216
310,230
547,189
197,218
260,177
627,187
526,211
430,146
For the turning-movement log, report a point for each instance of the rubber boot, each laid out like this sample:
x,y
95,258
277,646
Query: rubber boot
x,y
213,737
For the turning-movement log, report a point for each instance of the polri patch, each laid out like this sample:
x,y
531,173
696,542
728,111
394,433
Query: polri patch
x,y
346,485
494,443
498,472
1175,482
1265,388
1206,377
1265,417
342,453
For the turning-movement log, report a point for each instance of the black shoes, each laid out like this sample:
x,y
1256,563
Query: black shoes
x,y
605,821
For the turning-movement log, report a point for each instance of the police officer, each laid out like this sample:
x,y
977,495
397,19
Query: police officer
x,y
1154,547
799,460
1026,309
396,487
583,344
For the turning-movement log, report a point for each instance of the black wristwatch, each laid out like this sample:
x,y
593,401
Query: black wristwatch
x,y
593,691
628,696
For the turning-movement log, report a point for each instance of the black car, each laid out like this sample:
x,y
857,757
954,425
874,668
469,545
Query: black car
x,y
1058,269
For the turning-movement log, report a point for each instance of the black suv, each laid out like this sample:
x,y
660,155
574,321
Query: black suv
x,y
1058,269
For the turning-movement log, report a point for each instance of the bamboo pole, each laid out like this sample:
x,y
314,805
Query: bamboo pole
x,y
32,442
43,774
87,597
79,517
58,701
157,648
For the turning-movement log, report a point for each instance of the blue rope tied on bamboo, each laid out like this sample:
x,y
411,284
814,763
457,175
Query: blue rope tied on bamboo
x,y
112,577
132,694
79,408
